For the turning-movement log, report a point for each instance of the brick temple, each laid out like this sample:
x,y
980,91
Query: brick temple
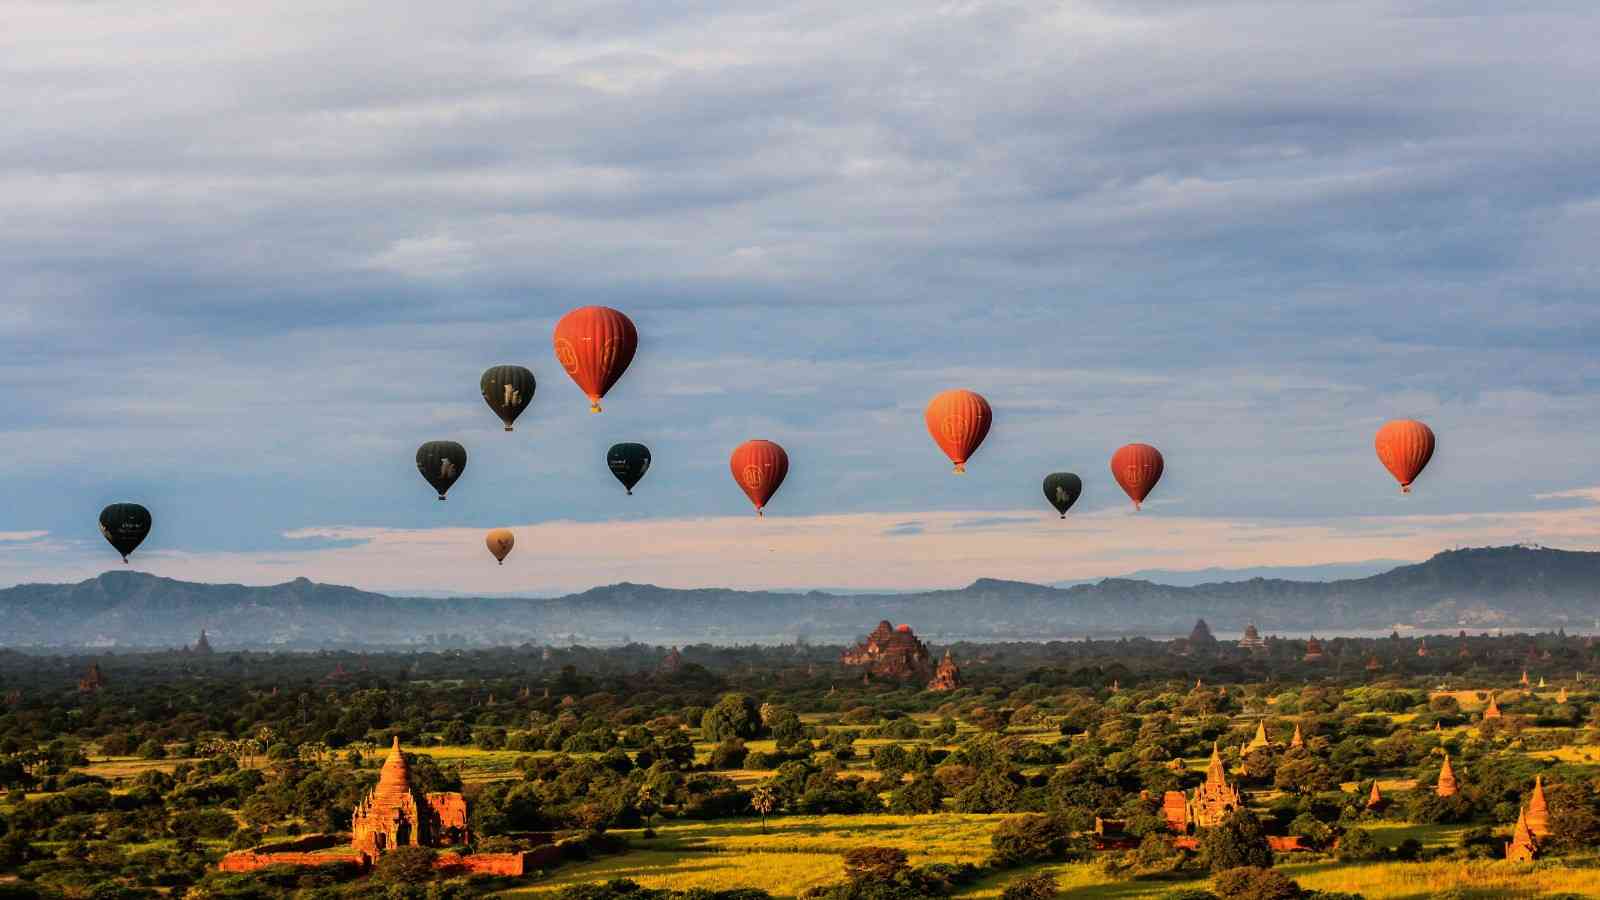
x,y
394,814
891,653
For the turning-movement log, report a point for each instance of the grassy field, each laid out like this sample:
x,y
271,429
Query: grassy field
x,y
803,852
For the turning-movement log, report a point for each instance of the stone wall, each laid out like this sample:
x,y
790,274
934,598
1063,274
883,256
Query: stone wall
x,y
250,861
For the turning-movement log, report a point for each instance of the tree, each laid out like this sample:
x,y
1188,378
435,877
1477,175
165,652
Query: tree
x,y
404,865
920,795
457,734
734,716
763,801
1238,840
730,754
1030,838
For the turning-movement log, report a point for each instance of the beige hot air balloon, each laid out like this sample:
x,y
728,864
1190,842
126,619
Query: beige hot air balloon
x,y
500,542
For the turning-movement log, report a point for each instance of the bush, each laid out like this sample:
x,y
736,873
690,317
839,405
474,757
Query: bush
x,y
1358,845
404,865
1034,887
1238,841
1255,883
874,864
1030,838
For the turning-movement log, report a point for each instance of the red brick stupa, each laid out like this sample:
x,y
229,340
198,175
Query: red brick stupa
x,y
393,815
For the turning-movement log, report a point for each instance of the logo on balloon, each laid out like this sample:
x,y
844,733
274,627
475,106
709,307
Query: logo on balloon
x,y
753,477
567,355
954,427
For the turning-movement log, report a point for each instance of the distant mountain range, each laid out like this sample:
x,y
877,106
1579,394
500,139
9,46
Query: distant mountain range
x,y
1476,589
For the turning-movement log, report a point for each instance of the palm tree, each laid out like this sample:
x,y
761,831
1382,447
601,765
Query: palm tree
x,y
763,801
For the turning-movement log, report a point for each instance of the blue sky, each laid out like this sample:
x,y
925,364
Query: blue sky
x,y
252,257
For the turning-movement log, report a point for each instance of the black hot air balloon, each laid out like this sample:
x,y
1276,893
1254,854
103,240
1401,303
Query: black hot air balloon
x,y
508,390
125,525
441,463
1062,489
628,462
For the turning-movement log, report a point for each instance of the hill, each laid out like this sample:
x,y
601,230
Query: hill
x,y
1524,587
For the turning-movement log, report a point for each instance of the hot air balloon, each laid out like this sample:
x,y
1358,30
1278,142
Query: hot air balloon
x,y
500,542
958,421
759,467
1404,447
595,344
125,525
508,390
1062,489
1137,467
441,463
628,462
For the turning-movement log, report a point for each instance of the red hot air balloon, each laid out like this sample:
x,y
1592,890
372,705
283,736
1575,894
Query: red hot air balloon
x,y
759,467
958,421
595,344
1404,447
1137,467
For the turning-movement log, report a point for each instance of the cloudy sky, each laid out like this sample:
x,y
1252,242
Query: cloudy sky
x,y
252,254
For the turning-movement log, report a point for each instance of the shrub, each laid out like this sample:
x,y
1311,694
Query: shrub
x,y
1034,887
404,865
1255,883
1237,841
867,864
1358,844
1030,838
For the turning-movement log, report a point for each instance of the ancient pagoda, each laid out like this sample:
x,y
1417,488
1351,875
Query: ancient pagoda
x,y
92,680
891,652
1538,812
1297,742
394,815
1523,846
1252,639
948,676
1212,801
1375,799
671,664
1492,711
1561,696
1447,786
1313,650
1422,648
1260,741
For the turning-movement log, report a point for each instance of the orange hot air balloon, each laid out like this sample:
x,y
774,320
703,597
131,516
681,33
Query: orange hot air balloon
x,y
1137,467
759,467
958,421
500,542
595,344
1404,447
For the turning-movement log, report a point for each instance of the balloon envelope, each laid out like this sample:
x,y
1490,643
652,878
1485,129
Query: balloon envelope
x,y
508,390
1137,467
628,462
125,525
958,421
1062,489
595,344
441,463
759,467
1404,447
500,542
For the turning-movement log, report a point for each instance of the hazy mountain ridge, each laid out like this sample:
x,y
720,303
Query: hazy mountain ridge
x,y
1474,589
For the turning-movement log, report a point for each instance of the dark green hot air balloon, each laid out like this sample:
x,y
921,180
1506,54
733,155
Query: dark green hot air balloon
x,y
1062,490
628,462
125,525
508,390
441,463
